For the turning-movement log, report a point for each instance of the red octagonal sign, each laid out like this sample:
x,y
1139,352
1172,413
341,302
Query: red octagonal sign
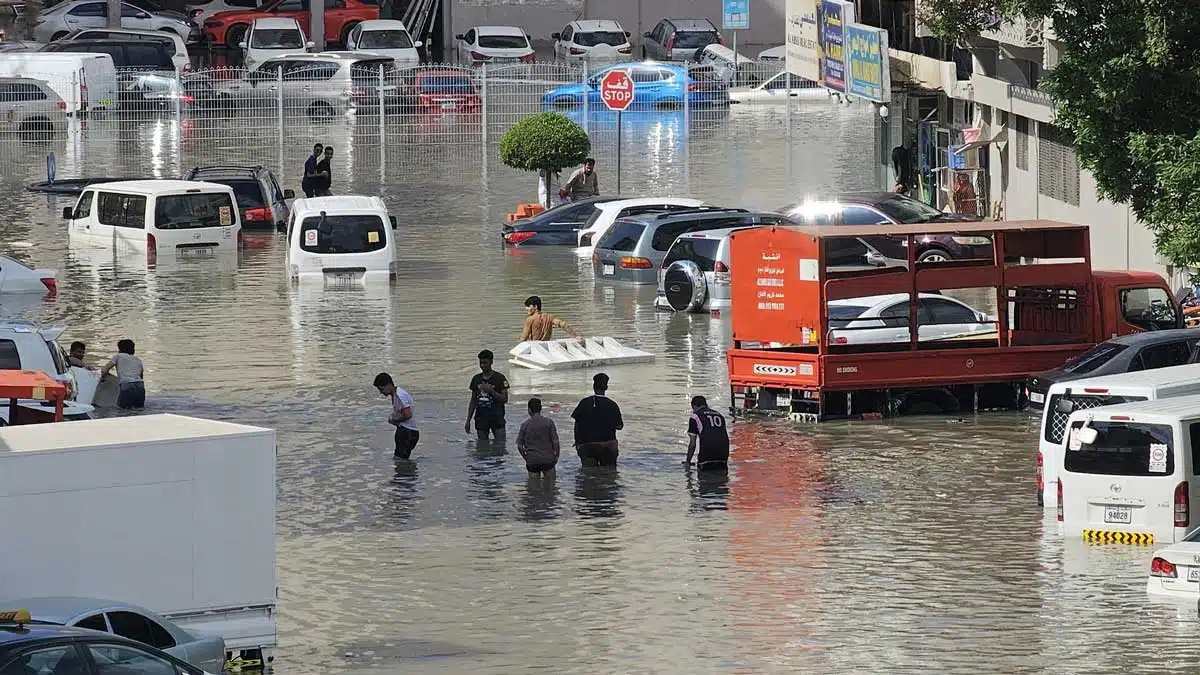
x,y
616,90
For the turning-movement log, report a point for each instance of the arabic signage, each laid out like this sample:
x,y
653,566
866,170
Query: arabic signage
x,y
868,74
832,20
735,14
803,41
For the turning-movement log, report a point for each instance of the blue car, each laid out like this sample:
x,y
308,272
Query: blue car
x,y
656,86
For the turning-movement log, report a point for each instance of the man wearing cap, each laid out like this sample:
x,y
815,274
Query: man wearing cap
x,y
597,421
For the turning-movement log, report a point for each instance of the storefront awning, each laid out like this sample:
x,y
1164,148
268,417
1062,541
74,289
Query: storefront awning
x,y
999,138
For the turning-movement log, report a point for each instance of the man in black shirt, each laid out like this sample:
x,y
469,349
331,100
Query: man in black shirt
x,y
706,429
489,393
323,177
597,421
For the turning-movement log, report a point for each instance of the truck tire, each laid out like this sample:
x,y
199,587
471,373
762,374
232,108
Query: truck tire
x,y
685,286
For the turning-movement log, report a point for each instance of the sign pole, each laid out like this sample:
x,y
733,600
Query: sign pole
x,y
618,153
735,66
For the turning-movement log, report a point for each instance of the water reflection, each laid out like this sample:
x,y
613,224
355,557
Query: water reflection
x,y
486,468
403,492
709,489
598,492
539,500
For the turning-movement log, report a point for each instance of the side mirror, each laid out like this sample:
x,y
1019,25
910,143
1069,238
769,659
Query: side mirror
x,y
418,44
459,37
646,34
556,36
628,34
310,44
68,213
289,194
392,220
242,44
1065,406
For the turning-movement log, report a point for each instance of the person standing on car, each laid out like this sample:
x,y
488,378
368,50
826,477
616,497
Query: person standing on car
x,y
310,170
407,435
583,183
489,393
539,325
708,434
131,388
323,180
537,441
597,421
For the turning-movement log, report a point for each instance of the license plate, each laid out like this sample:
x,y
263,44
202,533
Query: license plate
x,y
195,252
1036,397
1194,574
1118,514
608,269
783,400
449,105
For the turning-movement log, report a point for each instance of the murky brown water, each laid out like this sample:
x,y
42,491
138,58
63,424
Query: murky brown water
x,y
908,547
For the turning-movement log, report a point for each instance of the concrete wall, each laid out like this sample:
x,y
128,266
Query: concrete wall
x,y
540,18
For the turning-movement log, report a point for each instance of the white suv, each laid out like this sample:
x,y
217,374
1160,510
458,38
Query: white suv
x,y
24,346
607,213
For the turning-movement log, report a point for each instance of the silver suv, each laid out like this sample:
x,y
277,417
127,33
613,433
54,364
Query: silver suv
x,y
679,39
694,277
318,85
30,108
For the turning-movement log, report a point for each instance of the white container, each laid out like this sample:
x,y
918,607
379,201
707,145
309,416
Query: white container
x,y
86,82
173,513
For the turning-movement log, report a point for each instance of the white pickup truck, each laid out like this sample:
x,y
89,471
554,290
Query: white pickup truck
x,y
172,513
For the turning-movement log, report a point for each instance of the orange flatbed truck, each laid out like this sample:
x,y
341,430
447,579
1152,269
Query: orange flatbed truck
x,y
35,385
1051,306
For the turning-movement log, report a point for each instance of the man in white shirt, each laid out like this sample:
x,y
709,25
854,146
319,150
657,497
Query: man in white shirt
x,y
401,417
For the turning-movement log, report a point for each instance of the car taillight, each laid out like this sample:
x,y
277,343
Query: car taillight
x,y
694,86
1060,502
62,105
1182,505
187,67
595,258
188,99
529,58
631,263
151,244
577,51
480,57
1162,568
671,43
720,267
838,340
258,215
51,285
627,49
1041,472
515,238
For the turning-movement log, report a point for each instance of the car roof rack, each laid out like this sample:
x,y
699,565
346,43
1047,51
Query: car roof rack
x,y
698,210
195,170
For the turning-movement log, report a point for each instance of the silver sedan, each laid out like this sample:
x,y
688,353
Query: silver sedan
x,y
130,621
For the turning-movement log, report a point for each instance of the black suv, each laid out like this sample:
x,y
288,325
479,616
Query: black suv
x,y
261,200
27,647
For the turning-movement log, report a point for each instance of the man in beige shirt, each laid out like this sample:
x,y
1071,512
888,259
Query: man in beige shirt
x,y
539,325
537,441
583,183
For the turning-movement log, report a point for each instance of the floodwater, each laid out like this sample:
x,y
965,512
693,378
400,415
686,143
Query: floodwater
x,y
914,546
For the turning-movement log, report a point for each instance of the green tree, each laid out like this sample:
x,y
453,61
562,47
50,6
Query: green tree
x,y
546,143
1127,89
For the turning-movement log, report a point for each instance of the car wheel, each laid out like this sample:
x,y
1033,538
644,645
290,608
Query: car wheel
x,y
59,35
565,102
320,111
668,104
346,32
933,255
233,36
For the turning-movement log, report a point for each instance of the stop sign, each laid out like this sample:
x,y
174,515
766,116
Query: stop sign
x,y
616,90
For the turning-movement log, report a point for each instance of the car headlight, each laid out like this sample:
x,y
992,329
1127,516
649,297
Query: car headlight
x,y
971,241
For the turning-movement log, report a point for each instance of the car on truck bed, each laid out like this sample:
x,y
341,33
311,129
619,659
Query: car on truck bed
x,y
27,647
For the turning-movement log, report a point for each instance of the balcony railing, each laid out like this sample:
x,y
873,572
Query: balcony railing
x,y
1035,96
1018,33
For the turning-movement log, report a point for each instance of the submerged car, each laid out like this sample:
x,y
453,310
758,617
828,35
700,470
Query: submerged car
x,y
656,86
206,652
779,89
558,226
27,648
1137,351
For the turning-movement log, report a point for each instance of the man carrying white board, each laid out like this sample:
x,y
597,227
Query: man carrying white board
x,y
539,326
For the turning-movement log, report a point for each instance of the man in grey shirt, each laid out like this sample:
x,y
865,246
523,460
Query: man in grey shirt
x,y
537,441
583,183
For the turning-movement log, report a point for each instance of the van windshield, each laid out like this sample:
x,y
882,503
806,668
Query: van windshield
x,y
282,38
342,234
1123,449
193,210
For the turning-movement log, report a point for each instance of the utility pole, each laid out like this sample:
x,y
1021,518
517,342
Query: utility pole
x,y
316,24
114,14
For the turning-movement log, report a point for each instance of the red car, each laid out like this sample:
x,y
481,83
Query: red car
x,y
228,28
445,90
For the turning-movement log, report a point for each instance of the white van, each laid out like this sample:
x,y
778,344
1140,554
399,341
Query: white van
x,y
1128,473
271,37
189,218
341,240
85,81
1064,398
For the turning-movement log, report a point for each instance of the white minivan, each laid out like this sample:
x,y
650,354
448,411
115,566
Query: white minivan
x,y
187,218
85,82
1128,472
341,240
271,37
1064,398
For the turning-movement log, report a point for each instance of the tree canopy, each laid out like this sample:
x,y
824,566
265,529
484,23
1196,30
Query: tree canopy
x,y
547,141
1127,89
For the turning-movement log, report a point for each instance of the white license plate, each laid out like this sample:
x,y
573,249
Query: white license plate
x,y
1122,515
607,269
783,400
1036,397
203,252
1194,574
449,105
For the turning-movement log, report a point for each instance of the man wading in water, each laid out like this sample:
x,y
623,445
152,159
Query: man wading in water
x,y
539,325
489,393
597,421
